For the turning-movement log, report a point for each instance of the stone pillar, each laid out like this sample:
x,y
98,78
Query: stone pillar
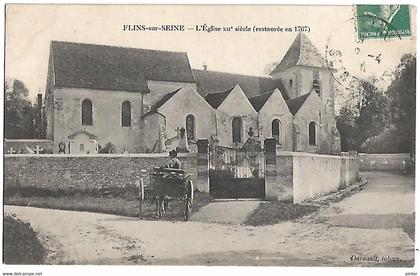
x,y
278,173
270,169
203,181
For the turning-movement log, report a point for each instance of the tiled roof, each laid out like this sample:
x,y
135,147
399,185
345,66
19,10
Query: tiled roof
x,y
116,68
211,81
295,104
259,101
90,135
161,102
215,99
301,52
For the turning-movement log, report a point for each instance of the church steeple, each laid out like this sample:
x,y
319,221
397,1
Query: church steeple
x,y
301,53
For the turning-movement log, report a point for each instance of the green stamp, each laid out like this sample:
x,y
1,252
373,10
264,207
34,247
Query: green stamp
x,y
383,21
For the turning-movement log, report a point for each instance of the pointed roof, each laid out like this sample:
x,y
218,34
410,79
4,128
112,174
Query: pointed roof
x,y
301,53
90,135
296,103
259,101
217,98
161,102
210,81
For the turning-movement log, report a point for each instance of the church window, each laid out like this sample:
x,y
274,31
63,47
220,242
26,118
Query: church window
x,y
291,82
86,112
126,114
190,126
276,130
312,134
82,148
237,130
316,86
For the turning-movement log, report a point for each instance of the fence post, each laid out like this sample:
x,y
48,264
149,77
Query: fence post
x,y
270,169
203,182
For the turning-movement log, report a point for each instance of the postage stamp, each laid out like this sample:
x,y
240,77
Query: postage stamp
x,y
383,21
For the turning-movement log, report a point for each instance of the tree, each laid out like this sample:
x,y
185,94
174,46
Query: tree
x,y
372,117
18,111
358,121
388,141
402,94
346,125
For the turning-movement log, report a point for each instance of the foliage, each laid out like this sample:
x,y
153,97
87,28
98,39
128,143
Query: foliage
x,y
402,94
388,141
346,125
18,111
382,121
372,117
108,148
21,245
367,118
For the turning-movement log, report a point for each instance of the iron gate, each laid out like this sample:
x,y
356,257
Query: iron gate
x,y
237,172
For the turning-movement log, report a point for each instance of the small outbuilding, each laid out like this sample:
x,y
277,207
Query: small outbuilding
x,y
82,142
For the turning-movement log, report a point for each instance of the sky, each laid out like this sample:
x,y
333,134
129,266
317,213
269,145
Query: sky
x,y
31,28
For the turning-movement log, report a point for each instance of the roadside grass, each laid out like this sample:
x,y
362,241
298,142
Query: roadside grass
x,y
20,243
108,205
409,226
273,212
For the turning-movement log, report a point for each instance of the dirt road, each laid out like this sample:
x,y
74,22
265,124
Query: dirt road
x,y
327,238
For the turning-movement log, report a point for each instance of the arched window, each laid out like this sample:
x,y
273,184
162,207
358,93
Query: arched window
x,y
316,86
237,130
276,130
82,148
86,112
312,134
190,126
126,114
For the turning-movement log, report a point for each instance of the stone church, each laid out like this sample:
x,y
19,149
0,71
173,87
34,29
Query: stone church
x,y
152,101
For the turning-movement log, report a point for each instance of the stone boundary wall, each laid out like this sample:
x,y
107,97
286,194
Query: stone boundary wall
x,y
295,176
317,175
402,162
56,171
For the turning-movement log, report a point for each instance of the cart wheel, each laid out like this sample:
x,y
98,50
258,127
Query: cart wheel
x,y
189,196
141,199
158,207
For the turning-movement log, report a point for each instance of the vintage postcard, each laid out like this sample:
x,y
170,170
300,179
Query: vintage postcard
x,y
209,135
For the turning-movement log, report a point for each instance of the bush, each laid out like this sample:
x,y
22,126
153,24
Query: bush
x,y
388,141
108,148
21,245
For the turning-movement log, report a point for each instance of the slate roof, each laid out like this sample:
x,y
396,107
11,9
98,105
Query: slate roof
x,y
211,81
296,103
161,102
90,135
116,68
301,52
259,101
215,99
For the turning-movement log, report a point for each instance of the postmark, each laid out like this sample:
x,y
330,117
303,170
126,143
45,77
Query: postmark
x,y
354,61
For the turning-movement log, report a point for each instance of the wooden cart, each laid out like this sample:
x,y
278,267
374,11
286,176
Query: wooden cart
x,y
168,184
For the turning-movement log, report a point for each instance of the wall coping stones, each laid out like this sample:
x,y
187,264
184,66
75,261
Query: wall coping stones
x,y
314,155
130,155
